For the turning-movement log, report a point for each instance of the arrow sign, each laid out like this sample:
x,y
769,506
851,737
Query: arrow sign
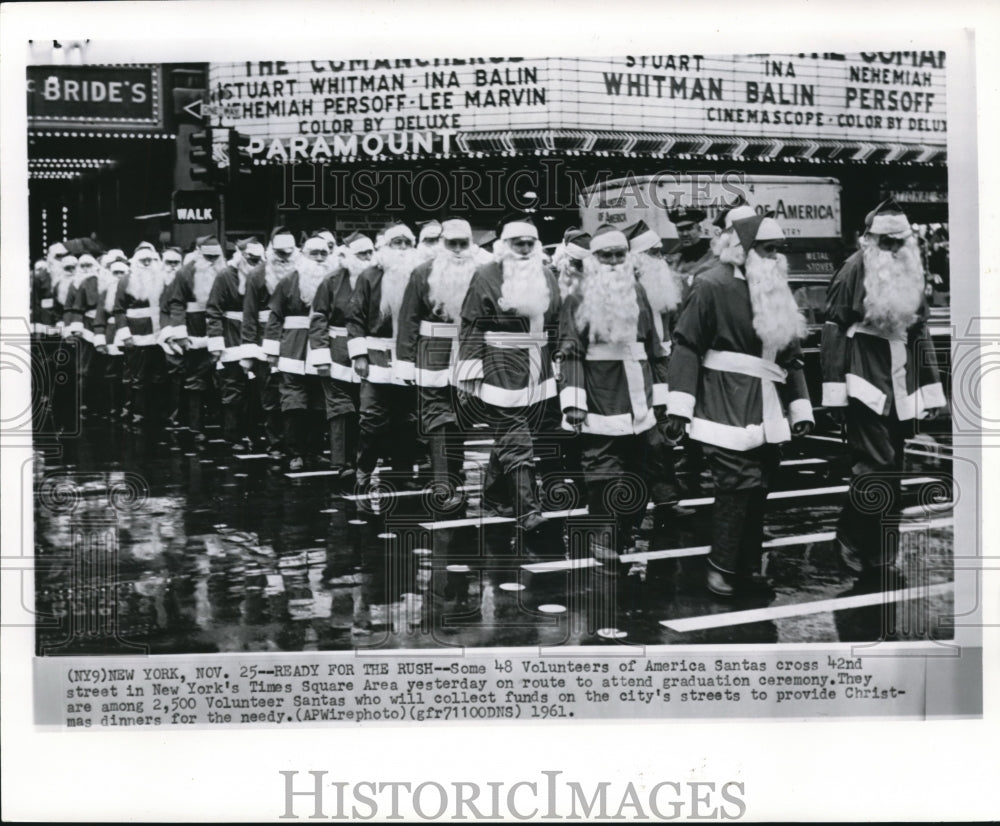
x,y
194,109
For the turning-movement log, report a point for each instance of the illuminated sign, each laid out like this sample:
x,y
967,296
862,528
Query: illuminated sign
x,y
353,108
80,97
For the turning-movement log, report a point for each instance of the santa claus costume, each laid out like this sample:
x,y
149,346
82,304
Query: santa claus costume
x,y
328,353
878,363
508,332
286,344
224,326
188,307
613,388
387,420
427,351
736,376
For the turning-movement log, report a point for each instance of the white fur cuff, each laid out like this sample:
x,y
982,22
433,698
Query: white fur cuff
x,y
573,397
680,404
271,347
800,410
318,357
834,394
357,347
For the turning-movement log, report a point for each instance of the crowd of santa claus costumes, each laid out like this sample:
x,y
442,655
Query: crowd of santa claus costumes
x,y
383,357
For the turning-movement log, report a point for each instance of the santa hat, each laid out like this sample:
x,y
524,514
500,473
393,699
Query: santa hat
x,y
118,267
251,246
314,243
58,248
326,235
730,216
518,228
641,237
889,219
455,228
282,239
87,258
209,245
145,245
607,237
758,228
430,230
113,255
577,244
358,243
397,231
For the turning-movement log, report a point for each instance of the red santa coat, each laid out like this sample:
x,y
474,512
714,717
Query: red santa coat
x,y
135,318
43,318
104,320
860,362
736,395
328,327
224,315
427,341
509,355
369,331
188,315
287,332
81,308
256,312
617,384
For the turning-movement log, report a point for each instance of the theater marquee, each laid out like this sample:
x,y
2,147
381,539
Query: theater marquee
x,y
320,109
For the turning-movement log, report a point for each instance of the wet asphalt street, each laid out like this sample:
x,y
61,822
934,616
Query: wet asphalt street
x,y
147,542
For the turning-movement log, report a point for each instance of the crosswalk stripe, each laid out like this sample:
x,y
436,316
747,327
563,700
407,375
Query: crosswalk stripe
x,y
801,609
684,503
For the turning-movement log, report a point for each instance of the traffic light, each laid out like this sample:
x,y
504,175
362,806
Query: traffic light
x,y
240,162
200,157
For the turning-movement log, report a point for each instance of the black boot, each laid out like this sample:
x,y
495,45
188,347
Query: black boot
x,y
295,439
194,416
527,506
446,472
337,425
729,516
231,427
496,496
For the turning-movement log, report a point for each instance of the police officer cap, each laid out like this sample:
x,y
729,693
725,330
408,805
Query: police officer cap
x,y
686,215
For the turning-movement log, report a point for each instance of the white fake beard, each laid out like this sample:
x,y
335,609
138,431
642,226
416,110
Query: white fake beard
x,y
729,249
425,253
525,289
609,302
239,263
354,266
205,272
61,281
397,265
569,278
110,285
449,281
777,319
146,283
311,275
659,282
894,286
275,269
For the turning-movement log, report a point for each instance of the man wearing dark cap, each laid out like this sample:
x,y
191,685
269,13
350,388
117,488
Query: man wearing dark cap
x,y
880,374
736,381
693,254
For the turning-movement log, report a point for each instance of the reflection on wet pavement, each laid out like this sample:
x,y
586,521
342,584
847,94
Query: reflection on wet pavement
x,y
144,542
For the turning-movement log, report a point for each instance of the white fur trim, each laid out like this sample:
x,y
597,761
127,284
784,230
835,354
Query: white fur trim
x,y
405,370
122,334
680,404
521,397
620,424
727,436
661,393
318,357
895,225
357,347
362,244
519,229
800,410
606,240
271,347
179,332
865,392
646,241
433,378
216,344
834,394
571,396
397,231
